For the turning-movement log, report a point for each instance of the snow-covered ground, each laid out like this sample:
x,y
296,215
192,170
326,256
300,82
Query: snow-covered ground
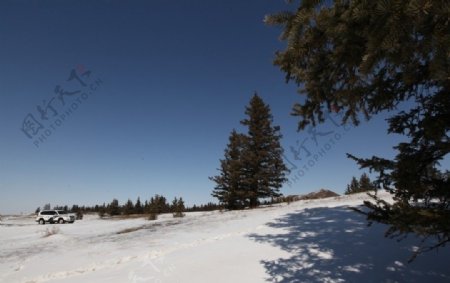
x,y
306,241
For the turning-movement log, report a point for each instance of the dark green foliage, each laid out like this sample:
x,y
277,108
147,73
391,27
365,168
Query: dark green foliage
x,y
229,183
363,185
158,204
253,167
138,208
365,57
75,209
155,207
79,215
101,210
113,208
178,207
353,187
265,171
204,207
128,208
152,216
145,207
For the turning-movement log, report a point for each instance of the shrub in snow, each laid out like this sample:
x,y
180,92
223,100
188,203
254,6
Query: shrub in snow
x,y
178,214
49,232
79,215
101,213
178,207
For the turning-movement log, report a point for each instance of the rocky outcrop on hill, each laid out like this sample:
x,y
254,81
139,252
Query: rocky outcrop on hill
x,y
322,193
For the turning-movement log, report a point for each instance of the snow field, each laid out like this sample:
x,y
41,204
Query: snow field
x,y
305,241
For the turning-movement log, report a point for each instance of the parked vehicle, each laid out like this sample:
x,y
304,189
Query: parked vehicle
x,y
55,216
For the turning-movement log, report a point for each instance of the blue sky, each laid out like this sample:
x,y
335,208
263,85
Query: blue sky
x,y
176,77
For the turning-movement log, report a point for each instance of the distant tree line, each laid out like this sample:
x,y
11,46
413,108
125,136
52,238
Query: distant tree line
x,y
156,205
364,184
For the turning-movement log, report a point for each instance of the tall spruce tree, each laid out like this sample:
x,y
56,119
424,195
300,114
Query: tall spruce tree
x,y
229,190
365,57
253,166
265,171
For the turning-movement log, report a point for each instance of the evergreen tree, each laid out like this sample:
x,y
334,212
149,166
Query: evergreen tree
x,y
163,206
178,207
158,204
146,208
173,207
101,211
138,208
365,184
253,166
365,57
128,208
228,188
153,208
75,208
353,187
113,208
262,160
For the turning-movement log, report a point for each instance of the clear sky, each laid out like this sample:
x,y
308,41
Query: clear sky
x,y
175,79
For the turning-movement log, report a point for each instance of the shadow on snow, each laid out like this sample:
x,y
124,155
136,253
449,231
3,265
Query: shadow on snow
x,y
335,245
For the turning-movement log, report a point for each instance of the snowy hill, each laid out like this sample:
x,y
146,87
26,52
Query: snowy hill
x,y
306,241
